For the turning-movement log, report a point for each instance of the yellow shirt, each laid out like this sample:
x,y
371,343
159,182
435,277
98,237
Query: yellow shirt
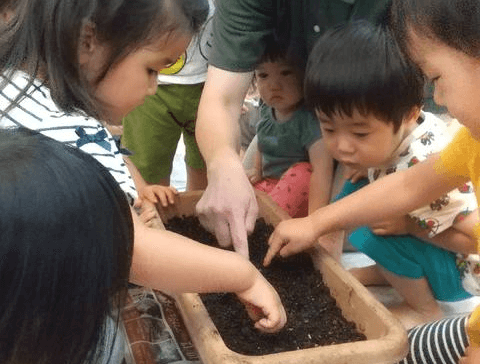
x,y
462,158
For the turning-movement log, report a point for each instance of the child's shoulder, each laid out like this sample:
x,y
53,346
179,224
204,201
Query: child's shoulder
x,y
432,121
303,113
431,132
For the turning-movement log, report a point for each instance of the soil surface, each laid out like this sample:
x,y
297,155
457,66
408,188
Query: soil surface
x,y
313,316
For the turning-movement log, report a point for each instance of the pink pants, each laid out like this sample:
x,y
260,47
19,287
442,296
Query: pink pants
x,y
290,192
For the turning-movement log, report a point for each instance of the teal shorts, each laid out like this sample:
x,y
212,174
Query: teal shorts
x,y
152,130
410,257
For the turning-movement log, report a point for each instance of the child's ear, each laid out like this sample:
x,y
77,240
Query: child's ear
x,y
88,47
412,116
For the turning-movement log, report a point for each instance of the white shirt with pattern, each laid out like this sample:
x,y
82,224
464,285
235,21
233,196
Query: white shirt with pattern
x,y
430,136
37,111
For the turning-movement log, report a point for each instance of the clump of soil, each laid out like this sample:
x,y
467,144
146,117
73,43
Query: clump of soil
x,y
313,316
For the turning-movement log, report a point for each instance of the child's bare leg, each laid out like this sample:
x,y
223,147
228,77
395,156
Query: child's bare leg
x,y
369,275
418,297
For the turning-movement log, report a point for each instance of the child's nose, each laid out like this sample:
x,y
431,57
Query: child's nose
x,y
344,145
274,85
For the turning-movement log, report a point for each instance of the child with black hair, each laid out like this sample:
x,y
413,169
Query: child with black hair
x,y
69,67
289,158
447,55
368,99
66,234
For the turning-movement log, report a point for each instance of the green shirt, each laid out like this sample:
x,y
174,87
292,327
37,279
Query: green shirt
x,y
284,144
241,27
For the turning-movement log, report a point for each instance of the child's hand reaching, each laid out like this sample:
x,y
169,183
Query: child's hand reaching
x,y
158,193
355,175
148,214
290,237
396,226
264,305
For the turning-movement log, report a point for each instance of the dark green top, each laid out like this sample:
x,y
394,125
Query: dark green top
x,y
284,144
241,27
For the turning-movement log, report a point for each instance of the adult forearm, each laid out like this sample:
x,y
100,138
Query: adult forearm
x,y
217,128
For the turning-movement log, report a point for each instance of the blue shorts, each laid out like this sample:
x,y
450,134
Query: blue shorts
x,y
408,256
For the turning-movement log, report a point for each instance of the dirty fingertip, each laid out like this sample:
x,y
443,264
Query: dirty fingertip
x,y
264,324
267,260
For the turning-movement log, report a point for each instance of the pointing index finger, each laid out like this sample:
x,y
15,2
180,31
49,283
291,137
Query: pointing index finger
x,y
276,244
238,231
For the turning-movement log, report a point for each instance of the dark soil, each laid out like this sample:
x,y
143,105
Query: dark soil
x,y
313,316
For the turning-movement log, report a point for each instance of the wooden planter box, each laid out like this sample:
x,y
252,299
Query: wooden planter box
x,y
386,338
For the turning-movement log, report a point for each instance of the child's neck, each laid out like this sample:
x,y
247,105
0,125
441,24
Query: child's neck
x,y
282,116
404,133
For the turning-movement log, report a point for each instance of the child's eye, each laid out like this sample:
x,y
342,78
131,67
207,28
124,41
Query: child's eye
x,y
262,75
286,73
434,79
360,135
168,65
151,71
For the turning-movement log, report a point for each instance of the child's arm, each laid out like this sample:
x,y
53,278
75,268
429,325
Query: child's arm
x,y
255,174
355,175
167,261
460,238
454,240
158,193
393,195
322,176
146,209
320,192
138,180
147,192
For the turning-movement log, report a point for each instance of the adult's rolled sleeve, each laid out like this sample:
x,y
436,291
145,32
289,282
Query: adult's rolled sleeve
x,y
240,30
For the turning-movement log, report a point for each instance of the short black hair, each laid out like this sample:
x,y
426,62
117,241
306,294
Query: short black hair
x,y
275,52
359,66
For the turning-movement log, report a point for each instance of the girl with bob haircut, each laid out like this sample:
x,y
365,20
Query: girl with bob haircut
x,y
66,235
69,67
